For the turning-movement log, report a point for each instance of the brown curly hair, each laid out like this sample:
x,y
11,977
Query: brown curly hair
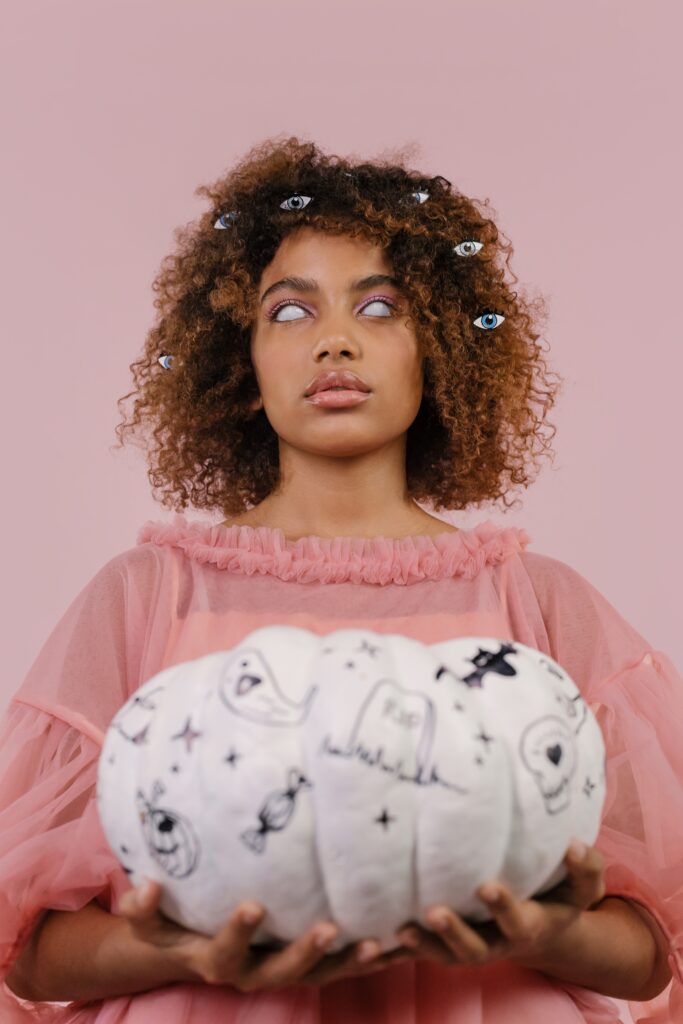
x,y
476,424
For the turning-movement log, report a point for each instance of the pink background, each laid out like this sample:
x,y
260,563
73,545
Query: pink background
x,y
565,117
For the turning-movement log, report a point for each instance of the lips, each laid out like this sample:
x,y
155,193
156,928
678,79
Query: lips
x,y
336,379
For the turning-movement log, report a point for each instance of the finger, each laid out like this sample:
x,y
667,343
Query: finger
x,y
457,935
519,921
425,944
230,945
348,964
141,902
586,866
289,965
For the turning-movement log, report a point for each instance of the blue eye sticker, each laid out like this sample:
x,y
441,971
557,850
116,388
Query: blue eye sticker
x,y
489,321
468,247
225,219
165,361
295,202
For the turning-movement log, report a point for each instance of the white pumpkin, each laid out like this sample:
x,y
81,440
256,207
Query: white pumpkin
x,y
359,777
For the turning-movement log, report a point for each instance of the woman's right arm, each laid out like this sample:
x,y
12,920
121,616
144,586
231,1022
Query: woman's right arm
x,y
90,954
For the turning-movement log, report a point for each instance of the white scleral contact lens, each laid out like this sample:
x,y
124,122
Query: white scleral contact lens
x,y
468,247
295,202
488,321
166,361
225,219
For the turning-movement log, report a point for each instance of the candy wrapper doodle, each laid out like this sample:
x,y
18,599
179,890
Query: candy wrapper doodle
x,y
359,777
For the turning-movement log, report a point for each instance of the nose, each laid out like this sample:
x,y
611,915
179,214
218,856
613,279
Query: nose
x,y
335,346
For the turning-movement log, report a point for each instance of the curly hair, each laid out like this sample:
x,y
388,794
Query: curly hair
x,y
476,428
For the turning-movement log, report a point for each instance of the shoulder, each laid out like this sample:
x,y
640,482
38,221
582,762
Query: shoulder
x,y
132,572
557,584
587,632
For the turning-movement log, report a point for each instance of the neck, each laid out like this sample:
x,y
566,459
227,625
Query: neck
x,y
362,496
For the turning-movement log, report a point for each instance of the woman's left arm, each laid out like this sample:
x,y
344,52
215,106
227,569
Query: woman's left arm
x,y
576,932
617,949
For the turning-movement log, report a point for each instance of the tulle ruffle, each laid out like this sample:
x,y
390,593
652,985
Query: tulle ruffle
x,y
641,835
53,852
380,560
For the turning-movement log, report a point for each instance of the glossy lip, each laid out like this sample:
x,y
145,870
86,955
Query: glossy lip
x,y
338,399
336,378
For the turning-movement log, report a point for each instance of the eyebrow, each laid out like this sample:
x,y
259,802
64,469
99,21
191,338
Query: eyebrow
x,y
304,284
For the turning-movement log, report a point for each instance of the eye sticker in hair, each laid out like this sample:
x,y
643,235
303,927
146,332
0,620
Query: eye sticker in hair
x,y
489,321
225,219
295,202
420,197
166,361
467,248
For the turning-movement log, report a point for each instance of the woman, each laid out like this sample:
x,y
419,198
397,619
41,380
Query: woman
x,y
310,273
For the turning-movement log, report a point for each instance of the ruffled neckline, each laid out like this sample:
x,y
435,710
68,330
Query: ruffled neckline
x,y
379,560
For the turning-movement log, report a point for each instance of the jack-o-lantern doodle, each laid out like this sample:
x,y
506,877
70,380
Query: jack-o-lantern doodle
x,y
276,811
169,836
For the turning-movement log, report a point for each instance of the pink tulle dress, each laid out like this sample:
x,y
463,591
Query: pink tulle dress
x,y
188,588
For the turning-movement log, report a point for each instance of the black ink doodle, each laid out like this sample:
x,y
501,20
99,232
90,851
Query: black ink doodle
x,y
384,819
249,688
276,811
490,661
574,705
133,721
188,734
388,715
548,750
169,836
588,786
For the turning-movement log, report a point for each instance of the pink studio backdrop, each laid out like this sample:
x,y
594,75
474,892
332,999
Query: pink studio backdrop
x,y
564,117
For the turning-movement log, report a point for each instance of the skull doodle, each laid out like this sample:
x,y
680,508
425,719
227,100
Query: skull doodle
x,y
548,750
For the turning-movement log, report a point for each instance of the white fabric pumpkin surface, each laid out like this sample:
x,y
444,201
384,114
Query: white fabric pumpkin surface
x,y
359,777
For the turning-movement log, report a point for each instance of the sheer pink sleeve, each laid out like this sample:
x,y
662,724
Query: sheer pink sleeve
x,y
637,695
53,853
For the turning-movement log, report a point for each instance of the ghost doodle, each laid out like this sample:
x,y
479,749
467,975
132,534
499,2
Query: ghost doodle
x,y
249,687
134,720
276,811
169,836
548,750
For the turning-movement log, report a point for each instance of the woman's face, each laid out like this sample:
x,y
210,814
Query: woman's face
x,y
332,325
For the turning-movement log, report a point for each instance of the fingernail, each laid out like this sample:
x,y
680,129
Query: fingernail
x,y
489,892
439,918
367,951
325,935
577,849
146,893
250,914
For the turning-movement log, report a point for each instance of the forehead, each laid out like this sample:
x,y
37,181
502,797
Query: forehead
x,y
306,249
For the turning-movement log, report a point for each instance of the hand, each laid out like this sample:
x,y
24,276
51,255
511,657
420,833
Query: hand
x,y
226,958
522,928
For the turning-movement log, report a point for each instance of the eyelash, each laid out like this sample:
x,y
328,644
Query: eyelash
x,y
290,302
